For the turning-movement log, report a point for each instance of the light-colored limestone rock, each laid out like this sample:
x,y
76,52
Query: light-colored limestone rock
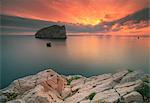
x,y
118,76
16,101
129,84
50,87
103,80
108,96
52,78
128,87
77,97
131,77
133,97
79,83
99,88
98,78
66,92
39,95
85,101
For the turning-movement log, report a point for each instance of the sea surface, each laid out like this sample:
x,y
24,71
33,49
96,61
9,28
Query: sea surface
x,y
85,55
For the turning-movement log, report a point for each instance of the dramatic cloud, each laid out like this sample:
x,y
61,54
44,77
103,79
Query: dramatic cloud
x,y
73,11
137,23
79,16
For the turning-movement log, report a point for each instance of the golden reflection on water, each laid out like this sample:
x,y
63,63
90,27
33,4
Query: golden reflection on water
x,y
104,49
84,47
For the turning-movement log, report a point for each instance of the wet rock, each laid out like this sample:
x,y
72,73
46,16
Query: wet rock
x,y
48,44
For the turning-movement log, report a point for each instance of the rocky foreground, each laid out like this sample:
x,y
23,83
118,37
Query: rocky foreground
x,y
50,87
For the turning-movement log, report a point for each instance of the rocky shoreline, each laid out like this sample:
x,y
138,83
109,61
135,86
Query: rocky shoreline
x,y
50,87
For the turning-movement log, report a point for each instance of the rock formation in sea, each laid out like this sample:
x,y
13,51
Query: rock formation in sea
x,y
50,87
52,32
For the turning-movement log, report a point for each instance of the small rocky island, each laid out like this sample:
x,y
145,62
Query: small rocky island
x,y
50,87
52,32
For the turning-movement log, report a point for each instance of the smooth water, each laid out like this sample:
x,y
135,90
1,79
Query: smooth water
x,y
85,55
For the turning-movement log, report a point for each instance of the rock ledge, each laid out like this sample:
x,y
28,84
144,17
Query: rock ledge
x,y
50,87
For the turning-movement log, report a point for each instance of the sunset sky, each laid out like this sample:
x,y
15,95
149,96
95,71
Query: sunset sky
x,y
84,12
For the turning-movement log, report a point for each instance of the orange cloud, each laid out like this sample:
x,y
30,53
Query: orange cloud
x,y
73,11
131,28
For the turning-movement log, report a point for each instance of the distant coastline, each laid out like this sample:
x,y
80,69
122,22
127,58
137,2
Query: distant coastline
x,y
76,34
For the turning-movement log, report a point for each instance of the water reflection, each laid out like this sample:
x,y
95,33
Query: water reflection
x,y
120,51
86,55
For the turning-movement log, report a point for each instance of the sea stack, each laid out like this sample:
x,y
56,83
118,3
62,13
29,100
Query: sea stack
x,y
52,32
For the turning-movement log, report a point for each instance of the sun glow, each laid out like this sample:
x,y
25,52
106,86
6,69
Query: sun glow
x,y
89,21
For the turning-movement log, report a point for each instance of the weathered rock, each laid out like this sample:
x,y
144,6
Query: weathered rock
x,y
66,92
76,84
133,97
16,101
39,95
92,82
50,87
131,77
118,76
49,76
85,101
108,96
52,32
77,97
128,87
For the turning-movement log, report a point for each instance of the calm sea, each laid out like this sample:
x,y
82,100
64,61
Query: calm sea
x,y
85,55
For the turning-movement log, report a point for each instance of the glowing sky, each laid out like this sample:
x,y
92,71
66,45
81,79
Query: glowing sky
x,y
90,16
73,11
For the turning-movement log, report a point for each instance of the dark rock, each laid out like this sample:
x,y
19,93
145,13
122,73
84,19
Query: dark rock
x,y
52,32
48,44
